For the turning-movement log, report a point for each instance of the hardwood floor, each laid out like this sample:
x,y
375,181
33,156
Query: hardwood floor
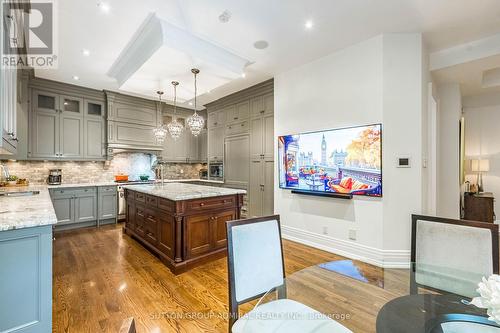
x,y
102,277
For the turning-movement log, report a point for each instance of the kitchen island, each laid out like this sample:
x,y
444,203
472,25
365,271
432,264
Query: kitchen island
x,y
183,224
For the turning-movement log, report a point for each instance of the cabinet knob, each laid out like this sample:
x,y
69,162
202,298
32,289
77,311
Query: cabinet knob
x,y
262,111
202,204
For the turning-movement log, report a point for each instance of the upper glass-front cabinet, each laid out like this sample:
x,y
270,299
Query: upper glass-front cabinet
x,y
72,105
46,102
94,108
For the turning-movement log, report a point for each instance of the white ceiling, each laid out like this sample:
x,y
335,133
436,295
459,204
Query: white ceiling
x,y
337,24
470,76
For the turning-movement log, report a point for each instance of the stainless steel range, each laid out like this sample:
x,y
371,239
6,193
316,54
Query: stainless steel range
x,y
121,195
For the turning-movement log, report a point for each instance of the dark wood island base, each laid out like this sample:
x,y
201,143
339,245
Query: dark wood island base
x,y
182,233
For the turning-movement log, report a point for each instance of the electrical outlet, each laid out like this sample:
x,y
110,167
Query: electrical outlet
x,y
325,230
182,171
352,234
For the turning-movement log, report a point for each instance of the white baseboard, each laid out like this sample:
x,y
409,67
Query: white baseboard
x,y
352,250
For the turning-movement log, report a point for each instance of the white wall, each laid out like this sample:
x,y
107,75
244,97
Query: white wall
x,y
482,138
376,81
448,181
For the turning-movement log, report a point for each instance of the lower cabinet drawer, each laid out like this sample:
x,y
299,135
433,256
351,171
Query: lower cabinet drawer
x,y
207,204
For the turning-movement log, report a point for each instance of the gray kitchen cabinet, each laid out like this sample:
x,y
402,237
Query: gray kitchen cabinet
x,y
262,137
44,134
107,203
70,105
237,160
261,188
94,139
71,136
237,112
75,205
183,150
216,118
64,126
93,108
262,105
26,288
85,206
203,146
216,144
64,208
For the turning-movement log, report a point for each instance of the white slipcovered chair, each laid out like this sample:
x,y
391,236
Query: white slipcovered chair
x,y
256,266
449,255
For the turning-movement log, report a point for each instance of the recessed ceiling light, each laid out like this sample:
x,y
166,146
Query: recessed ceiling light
x,y
76,77
309,24
225,16
209,91
103,6
190,103
243,75
86,52
261,44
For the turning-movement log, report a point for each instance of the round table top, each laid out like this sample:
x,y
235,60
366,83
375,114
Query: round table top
x,y
364,298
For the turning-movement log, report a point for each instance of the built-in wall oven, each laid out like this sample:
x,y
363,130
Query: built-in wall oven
x,y
216,171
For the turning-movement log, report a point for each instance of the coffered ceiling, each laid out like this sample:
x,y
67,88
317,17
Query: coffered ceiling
x,y
296,31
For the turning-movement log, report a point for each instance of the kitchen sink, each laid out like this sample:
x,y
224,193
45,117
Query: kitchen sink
x,y
18,194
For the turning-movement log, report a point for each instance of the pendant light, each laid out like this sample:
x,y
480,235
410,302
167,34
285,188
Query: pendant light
x,y
175,128
160,132
195,121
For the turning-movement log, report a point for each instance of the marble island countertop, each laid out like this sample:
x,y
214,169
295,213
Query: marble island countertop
x,y
180,191
18,212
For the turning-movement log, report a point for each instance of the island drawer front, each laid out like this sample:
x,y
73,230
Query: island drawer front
x,y
166,205
151,226
140,216
141,197
208,204
151,201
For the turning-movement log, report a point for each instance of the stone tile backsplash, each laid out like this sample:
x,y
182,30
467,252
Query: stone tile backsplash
x,y
133,164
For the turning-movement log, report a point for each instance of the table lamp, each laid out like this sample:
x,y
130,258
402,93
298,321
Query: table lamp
x,y
480,166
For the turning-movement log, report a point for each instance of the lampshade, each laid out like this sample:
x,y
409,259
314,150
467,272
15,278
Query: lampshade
x,y
480,165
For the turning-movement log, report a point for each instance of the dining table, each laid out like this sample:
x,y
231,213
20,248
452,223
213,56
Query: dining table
x,y
365,298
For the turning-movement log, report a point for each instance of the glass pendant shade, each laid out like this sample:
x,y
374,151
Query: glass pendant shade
x,y
195,121
175,128
160,132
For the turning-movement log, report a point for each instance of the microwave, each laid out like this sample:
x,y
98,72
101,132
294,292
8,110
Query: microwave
x,y
216,171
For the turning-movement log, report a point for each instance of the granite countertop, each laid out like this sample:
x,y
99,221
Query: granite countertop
x,y
181,191
26,211
112,183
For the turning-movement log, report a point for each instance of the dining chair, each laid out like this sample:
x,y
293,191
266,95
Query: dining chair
x,y
444,250
255,267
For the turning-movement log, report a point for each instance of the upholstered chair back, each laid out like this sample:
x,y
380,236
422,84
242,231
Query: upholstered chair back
x,y
449,254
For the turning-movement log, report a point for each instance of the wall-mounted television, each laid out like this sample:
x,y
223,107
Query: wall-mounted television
x,y
344,161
